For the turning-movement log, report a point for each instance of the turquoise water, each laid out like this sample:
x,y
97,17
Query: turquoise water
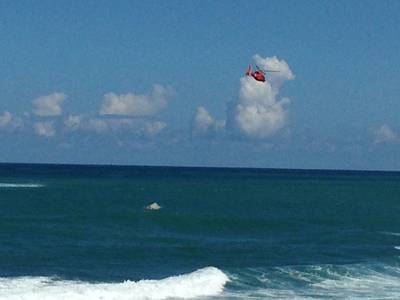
x,y
82,232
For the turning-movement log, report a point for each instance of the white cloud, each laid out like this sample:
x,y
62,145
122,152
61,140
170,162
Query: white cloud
x,y
384,134
258,113
276,79
204,123
5,119
103,125
154,128
73,122
50,105
133,126
97,125
8,121
136,105
87,123
45,129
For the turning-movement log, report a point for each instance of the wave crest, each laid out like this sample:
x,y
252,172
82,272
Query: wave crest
x,y
208,281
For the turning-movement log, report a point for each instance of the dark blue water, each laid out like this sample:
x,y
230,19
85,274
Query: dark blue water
x,y
230,233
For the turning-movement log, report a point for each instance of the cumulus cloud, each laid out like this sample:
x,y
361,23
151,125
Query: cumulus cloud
x,y
45,129
102,125
86,123
8,121
203,120
205,124
276,79
134,126
259,113
5,119
73,122
385,134
154,128
97,125
136,105
50,105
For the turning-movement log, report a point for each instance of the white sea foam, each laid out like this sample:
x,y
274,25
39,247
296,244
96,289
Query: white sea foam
x,y
20,185
367,283
391,233
358,281
208,281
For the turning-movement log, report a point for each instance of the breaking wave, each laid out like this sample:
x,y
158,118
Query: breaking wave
x,y
20,185
208,281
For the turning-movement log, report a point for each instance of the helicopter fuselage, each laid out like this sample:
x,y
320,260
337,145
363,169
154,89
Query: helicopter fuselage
x,y
258,75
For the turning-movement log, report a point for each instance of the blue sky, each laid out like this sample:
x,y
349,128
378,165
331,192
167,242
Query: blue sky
x,y
162,83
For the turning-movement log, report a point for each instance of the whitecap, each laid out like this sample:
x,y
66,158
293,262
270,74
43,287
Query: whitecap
x,y
208,281
353,281
20,185
391,233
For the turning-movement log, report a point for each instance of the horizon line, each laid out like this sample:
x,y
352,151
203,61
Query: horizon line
x,y
198,167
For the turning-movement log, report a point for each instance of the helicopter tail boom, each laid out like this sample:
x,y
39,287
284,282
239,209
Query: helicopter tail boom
x,y
248,72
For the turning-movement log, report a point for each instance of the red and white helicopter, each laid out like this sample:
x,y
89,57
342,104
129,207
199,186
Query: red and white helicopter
x,y
258,74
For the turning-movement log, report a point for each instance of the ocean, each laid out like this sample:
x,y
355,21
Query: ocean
x,y
82,232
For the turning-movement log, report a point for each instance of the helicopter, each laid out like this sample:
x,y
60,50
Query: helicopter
x,y
258,74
